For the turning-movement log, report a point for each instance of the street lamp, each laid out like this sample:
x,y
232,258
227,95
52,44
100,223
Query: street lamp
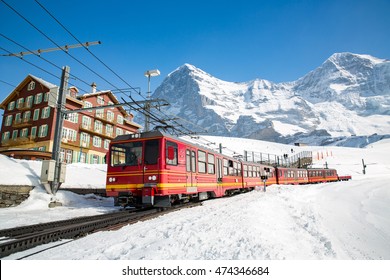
x,y
148,74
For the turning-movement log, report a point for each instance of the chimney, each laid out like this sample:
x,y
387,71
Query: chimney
x,y
93,85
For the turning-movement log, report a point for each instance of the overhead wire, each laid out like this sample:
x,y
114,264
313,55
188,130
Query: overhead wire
x,y
4,82
32,64
46,60
83,64
86,48
109,68
141,109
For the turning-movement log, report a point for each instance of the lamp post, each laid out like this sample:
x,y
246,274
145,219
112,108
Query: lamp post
x,y
148,74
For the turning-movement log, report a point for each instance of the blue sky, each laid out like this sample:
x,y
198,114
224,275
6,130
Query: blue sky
x,y
232,40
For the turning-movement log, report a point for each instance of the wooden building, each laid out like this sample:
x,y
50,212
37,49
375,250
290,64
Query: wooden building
x,y
28,123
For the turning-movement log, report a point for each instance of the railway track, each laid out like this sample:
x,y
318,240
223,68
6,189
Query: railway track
x,y
19,239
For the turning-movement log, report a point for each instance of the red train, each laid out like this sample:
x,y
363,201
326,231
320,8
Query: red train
x,y
157,169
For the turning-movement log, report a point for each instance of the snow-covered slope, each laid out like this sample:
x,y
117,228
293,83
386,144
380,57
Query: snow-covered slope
x,y
332,221
348,94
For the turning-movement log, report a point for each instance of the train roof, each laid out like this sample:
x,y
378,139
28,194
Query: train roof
x,y
145,135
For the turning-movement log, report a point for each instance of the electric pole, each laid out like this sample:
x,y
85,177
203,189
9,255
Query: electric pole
x,y
58,131
63,48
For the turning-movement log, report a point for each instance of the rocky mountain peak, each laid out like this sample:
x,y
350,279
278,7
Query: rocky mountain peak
x,y
343,96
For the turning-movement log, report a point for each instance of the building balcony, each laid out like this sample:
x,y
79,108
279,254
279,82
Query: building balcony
x,y
101,133
104,118
24,107
19,141
77,144
21,123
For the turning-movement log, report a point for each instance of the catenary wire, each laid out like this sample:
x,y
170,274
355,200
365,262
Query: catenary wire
x,y
83,64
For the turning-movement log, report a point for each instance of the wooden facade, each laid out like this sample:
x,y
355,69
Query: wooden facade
x,y
28,123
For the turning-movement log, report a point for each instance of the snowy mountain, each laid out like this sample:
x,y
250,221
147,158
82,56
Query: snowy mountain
x,y
348,94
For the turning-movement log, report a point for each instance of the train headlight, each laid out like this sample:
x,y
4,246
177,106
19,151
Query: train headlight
x,y
135,135
111,179
152,178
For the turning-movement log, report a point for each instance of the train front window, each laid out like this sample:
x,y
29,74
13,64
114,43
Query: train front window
x,y
151,151
126,154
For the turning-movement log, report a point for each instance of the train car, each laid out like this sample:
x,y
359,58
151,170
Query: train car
x,y
344,177
256,174
291,176
322,175
157,169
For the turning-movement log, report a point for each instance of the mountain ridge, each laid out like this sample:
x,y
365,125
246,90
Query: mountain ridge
x,y
349,94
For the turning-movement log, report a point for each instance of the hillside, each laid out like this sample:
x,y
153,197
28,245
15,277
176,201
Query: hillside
x,y
332,221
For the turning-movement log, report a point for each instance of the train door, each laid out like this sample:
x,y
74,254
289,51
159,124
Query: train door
x,y
192,185
219,176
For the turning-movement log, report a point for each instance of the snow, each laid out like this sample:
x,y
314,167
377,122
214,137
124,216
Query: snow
x,y
332,221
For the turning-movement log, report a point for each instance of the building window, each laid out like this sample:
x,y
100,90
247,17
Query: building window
x,y
119,131
36,115
24,132
18,118
38,98
98,126
109,130
84,139
97,141
100,113
106,144
14,134
43,130
82,157
31,86
62,155
69,156
45,113
69,134
74,118
88,105
33,132
110,116
11,105
94,159
120,119
86,122
20,103
29,101
6,136
46,98
8,120
100,100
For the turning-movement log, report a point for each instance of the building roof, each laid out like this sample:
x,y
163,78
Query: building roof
x,y
78,99
26,80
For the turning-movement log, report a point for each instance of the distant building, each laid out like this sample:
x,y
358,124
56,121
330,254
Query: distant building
x,y
300,144
27,129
